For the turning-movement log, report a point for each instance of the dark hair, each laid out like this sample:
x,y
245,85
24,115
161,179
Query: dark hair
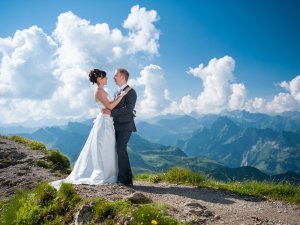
x,y
95,73
124,72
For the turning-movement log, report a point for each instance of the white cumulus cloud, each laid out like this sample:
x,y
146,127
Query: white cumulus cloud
x,y
219,92
282,102
156,96
143,35
46,76
26,68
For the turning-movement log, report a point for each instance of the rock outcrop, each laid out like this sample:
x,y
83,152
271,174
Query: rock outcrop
x,y
19,168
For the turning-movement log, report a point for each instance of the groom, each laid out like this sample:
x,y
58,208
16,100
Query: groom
x,y
123,116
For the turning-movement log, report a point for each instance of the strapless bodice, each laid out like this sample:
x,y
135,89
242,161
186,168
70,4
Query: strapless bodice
x,y
100,105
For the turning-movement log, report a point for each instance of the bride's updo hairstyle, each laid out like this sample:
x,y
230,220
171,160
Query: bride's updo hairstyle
x,y
95,73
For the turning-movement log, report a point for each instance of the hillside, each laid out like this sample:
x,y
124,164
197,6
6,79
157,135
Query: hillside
x,y
189,204
270,151
151,157
167,131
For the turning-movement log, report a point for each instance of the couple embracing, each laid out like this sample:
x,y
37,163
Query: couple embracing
x,y
104,157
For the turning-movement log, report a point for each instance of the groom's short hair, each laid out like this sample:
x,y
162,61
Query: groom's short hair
x,y
124,72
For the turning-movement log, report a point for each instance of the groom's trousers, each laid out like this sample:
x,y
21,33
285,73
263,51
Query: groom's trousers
x,y
125,174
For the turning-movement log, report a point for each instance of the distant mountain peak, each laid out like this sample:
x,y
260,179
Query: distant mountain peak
x,y
224,124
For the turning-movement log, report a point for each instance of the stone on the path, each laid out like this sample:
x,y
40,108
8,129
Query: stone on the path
x,y
194,205
198,212
207,213
217,217
138,198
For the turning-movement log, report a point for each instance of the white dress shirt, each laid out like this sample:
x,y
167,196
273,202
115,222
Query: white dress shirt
x,y
122,87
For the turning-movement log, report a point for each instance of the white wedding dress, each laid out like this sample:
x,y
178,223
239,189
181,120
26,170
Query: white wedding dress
x,y
97,162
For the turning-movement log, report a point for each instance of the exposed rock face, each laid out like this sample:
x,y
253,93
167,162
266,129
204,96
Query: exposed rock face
x,y
19,169
84,215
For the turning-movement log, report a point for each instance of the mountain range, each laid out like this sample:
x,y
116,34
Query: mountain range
x,y
145,156
228,142
222,146
268,150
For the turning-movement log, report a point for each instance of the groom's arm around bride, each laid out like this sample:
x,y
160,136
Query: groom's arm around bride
x,y
123,113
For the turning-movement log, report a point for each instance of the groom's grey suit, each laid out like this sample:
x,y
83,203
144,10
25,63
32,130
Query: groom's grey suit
x,y
124,125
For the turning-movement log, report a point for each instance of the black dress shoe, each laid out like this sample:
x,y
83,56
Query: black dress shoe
x,y
127,184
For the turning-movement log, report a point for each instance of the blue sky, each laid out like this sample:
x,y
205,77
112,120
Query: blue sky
x,y
261,37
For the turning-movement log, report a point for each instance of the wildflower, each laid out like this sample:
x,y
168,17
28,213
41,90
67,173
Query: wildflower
x,y
154,222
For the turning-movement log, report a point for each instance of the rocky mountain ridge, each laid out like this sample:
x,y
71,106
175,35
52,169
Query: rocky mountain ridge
x,y
270,151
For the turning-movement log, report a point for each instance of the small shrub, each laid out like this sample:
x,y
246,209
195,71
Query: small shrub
x,y
142,176
176,175
58,159
44,194
184,176
7,161
156,178
42,163
104,210
68,195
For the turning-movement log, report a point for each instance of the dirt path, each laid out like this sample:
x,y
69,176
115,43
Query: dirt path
x,y
230,207
214,206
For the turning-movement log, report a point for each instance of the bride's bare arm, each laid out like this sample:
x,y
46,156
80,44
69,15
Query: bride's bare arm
x,y
102,96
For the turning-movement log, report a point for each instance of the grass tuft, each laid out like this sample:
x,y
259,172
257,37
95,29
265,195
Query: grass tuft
x,y
44,194
58,160
151,214
175,175
34,145
43,205
105,211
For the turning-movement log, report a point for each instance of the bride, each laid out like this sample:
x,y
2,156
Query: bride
x,y
97,162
